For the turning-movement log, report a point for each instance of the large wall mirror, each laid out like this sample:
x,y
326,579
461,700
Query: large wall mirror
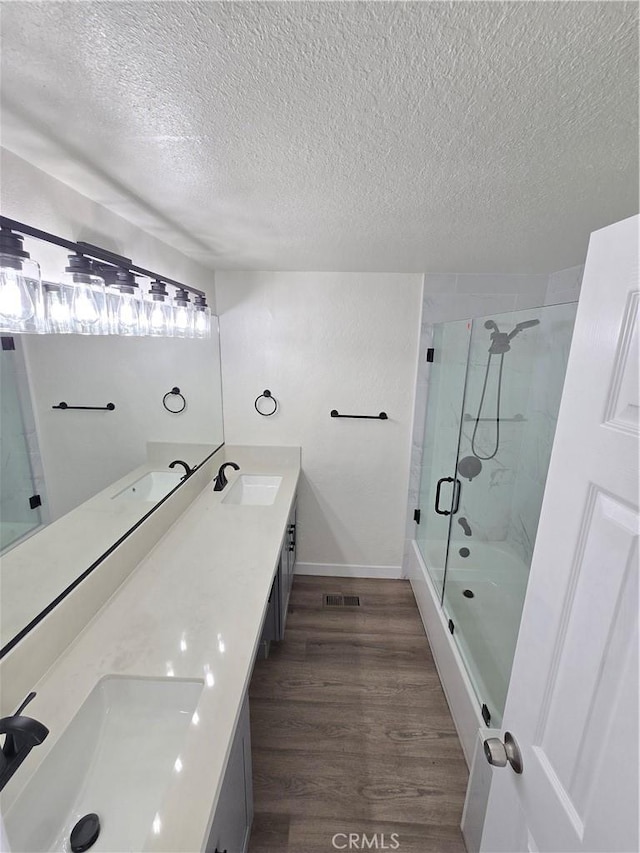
x,y
71,478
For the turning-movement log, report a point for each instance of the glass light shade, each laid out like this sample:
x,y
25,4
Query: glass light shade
x,y
202,321
128,309
20,296
88,307
159,317
57,300
183,319
112,299
128,315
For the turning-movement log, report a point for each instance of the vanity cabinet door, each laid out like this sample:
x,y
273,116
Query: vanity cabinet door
x,y
283,592
287,566
234,814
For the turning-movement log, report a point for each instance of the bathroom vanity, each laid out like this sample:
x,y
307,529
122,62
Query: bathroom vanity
x,y
192,612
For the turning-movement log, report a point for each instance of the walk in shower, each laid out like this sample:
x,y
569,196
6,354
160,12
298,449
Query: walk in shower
x,y
494,394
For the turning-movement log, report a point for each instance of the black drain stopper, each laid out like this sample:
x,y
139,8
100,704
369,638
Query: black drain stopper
x,y
467,593
85,833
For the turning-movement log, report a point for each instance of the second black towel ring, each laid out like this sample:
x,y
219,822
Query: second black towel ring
x,y
175,392
269,396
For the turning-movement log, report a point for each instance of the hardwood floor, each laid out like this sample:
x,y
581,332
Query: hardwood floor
x,y
350,729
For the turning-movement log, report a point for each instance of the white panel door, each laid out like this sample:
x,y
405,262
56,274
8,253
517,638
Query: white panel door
x,y
572,704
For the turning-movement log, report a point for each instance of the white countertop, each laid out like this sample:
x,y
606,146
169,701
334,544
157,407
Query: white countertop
x,y
192,609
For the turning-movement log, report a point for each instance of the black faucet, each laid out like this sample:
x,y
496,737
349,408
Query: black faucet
x,y
221,480
22,734
187,470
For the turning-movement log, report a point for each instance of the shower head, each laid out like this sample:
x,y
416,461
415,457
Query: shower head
x,y
491,325
526,324
519,327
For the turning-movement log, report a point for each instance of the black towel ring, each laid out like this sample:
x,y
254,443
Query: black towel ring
x,y
175,392
269,396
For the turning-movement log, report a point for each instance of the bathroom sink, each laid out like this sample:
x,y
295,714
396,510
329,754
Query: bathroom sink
x,y
253,489
115,759
151,487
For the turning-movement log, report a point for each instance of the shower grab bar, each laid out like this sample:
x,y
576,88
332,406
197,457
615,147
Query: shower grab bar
x,y
457,488
514,419
381,417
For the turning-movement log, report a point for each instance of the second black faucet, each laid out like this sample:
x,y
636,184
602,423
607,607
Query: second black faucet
x,y
187,470
221,480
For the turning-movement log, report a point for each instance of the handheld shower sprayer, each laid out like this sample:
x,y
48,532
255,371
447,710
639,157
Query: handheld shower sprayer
x,y
500,344
519,327
527,324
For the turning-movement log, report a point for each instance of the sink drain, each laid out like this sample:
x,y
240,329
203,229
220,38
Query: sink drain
x,y
85,833
467,593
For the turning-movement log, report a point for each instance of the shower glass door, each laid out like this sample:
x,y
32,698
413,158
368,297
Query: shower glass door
x,y
514,378
441,437
17,517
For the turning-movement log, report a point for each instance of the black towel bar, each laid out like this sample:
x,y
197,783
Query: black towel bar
x,y
381,417
108,408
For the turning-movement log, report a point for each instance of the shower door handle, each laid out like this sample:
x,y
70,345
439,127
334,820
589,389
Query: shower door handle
x,y
457,487
437,503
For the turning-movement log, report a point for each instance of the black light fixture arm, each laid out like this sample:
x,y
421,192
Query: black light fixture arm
x,y
92,251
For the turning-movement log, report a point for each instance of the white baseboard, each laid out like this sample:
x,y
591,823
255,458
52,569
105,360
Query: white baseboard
x,y
340,570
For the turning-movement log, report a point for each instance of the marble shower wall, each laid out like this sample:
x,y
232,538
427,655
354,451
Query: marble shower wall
x,y
548,363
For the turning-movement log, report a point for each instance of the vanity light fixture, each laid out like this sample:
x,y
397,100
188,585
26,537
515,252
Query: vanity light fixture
x,y
97,295
20,286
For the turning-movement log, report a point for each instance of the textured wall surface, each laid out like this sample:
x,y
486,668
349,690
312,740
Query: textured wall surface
x,y
323,341
488,136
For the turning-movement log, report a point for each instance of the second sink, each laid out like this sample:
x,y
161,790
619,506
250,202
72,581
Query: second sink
x,y
151,487
253,489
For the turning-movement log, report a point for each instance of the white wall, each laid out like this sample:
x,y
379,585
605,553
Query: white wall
x,y
322,341
83,452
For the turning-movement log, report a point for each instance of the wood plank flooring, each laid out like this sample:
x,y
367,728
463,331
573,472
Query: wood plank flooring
x,y
350,729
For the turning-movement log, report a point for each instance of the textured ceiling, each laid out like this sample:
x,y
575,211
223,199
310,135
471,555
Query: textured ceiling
x,y
480,136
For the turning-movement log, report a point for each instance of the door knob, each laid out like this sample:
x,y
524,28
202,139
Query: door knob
x,y
498,753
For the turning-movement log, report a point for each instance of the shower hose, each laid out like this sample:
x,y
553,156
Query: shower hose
x,y
480,407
